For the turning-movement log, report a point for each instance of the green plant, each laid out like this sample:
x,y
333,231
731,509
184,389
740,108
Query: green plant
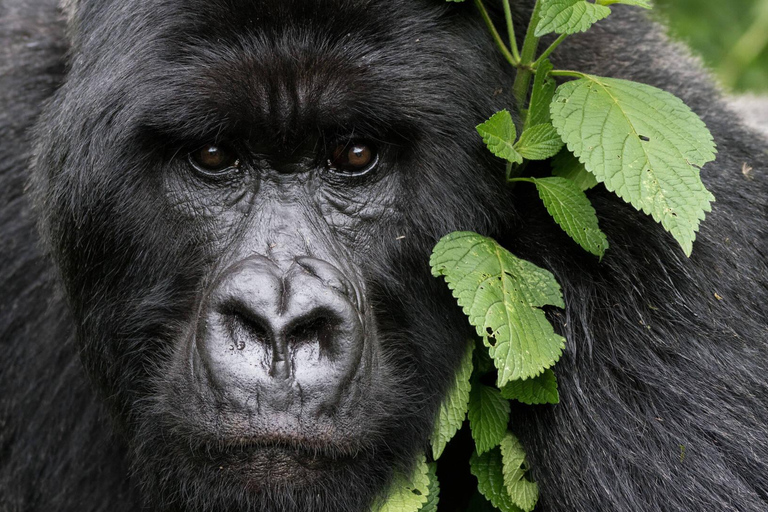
x,y
650,157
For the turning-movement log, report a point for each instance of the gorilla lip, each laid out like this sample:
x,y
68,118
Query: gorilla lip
x,y
277,456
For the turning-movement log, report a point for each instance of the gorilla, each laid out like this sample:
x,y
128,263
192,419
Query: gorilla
x,y
216,218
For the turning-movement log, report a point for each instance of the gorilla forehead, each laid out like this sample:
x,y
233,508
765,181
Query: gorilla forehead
x,y
283,68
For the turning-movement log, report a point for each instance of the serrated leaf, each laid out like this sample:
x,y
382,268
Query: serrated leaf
x,y
568,16
499,135
406,493
434,490
522,492
644,144
488,416
513,458
501,294
645,4
566,165
453,409
539,142
541,389
541,96
487,468
573,212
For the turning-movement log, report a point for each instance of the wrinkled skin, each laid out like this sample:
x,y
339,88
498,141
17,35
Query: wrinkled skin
x,y
267,335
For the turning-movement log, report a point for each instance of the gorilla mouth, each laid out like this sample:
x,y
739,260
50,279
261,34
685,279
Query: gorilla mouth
x,y
283,461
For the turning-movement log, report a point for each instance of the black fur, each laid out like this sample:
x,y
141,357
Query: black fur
x,y
664,383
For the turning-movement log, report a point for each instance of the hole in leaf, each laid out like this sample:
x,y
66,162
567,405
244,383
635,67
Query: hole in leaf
x,y
489,331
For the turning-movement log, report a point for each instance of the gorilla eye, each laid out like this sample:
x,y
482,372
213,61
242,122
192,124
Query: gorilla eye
x,y
353,158
213,159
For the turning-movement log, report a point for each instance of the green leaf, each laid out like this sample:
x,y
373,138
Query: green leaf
x,y
522,492
487,468
539,142
434,490
644,144
499,135
501,294
488,416
406,493
541,96
645,4
541,389
568,16
453,410
573,212
513,459
566,165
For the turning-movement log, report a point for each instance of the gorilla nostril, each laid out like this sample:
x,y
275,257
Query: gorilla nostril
x,y
320,329
244,328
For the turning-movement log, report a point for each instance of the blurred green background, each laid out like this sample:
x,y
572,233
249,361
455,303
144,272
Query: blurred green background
x,y
731,36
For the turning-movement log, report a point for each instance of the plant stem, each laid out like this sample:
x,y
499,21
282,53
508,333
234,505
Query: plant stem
x,y
565,72
496,36
513,173
509,171
511,31
525,71
549,50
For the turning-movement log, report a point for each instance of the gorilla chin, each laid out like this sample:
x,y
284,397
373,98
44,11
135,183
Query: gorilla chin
x,y
256,474
247,476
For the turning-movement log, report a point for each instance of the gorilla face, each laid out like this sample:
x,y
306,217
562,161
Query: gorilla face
x,y
241,198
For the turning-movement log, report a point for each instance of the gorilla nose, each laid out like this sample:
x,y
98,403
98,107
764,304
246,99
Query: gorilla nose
x,y
274,334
